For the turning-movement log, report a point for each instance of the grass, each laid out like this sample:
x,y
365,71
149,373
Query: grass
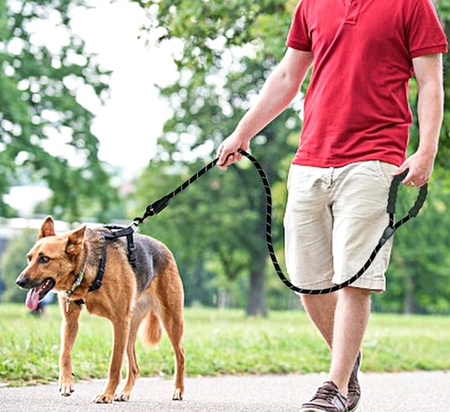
x,y
218,343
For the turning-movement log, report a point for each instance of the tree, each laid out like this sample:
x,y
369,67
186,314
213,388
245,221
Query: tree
x,y
39,82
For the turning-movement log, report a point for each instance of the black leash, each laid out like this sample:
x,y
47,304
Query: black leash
x,y
156,207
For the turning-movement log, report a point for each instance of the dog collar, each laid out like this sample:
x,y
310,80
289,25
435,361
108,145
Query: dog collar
x,y
77,283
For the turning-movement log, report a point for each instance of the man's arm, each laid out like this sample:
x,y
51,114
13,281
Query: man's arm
x,y
428,71
278,91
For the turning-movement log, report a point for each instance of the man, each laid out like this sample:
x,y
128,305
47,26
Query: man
x,y
354,138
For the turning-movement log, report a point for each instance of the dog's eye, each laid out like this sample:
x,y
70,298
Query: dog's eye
x,y
44,259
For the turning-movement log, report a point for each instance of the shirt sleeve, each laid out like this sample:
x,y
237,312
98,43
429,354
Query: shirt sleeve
x,y
424,31
298,37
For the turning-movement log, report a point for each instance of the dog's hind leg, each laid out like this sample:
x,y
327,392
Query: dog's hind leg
x,y
69,330
171,313
174,328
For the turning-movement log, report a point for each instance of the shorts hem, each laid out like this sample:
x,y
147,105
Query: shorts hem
x,y
374,285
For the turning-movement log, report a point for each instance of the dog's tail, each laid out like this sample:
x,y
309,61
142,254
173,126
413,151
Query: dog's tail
x,y
150,331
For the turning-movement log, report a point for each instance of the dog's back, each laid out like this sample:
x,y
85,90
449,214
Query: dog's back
x,y
151,257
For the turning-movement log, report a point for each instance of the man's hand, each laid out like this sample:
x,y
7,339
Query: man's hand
x,y
227,152
420,168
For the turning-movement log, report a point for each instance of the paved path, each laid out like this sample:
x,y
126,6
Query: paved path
x,y
405,392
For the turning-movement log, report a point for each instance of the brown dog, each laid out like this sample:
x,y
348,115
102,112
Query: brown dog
x,y
151,293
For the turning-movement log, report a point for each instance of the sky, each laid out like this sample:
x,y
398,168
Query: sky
x,y
132,119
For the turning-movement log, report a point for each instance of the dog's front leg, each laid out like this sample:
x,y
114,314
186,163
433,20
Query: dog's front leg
x,y
69,330
121,330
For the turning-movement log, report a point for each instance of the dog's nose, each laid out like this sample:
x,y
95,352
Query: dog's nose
x,y
21,281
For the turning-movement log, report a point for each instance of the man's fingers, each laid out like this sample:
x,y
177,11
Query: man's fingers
x,y
226,159
409,179
400,170
222,156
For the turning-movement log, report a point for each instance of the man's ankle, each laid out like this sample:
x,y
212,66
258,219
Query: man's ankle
x,y
340,383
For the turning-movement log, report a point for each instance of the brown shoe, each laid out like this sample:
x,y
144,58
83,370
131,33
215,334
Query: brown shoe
x,y
327,399
354,390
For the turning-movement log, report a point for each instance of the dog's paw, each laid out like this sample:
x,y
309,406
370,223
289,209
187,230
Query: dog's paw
x,y
65,387
177,395
122,397
103,398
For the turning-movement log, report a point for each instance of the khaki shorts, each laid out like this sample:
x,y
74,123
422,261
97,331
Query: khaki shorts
x,y
333,221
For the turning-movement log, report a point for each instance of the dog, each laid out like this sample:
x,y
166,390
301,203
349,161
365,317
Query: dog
x,y
133,298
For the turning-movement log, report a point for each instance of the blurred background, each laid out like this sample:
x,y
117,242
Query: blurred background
x,y
105,106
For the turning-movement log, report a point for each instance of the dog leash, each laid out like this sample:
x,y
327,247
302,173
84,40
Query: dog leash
x,y
159,205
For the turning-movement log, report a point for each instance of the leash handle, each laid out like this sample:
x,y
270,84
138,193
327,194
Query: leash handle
x,y
393,191
423,191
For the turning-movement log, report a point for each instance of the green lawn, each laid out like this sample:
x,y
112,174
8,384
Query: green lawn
x,y
218,343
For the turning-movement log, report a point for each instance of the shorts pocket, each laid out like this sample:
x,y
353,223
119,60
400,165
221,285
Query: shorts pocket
x,y
384,171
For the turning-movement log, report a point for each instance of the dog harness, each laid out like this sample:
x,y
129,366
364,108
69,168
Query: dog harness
x,y
114,232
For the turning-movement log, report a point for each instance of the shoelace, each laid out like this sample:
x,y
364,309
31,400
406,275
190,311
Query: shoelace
x,y
326,394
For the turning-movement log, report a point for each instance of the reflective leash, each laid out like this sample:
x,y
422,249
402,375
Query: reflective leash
x,y
156,207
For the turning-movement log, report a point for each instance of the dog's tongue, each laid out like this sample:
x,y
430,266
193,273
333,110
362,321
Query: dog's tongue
x,y
32,300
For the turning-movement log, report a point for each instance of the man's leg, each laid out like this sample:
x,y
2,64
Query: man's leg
x,y
321,309
350,322
342,319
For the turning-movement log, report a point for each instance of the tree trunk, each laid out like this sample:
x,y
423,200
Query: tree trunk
x,y
409,306
256,302
223,300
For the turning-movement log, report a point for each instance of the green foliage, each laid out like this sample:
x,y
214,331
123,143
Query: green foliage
x,y
13,261
443,158
39,106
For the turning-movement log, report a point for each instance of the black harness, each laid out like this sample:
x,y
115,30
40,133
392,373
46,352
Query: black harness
x,y
115,232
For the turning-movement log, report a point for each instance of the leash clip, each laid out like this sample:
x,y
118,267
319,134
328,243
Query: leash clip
x,y
134,226
158,206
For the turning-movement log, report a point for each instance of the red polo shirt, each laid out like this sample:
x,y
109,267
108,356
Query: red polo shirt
x,y
356,107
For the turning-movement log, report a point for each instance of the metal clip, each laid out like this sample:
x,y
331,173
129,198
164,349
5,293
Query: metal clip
x,y
134,225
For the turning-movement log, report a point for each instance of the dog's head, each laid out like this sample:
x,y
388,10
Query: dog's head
x,y
51,261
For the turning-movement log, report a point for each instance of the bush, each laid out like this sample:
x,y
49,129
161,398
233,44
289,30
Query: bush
x,y
13,262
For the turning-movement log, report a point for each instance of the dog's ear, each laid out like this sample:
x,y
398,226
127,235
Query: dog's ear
x,y
75,241
47,228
